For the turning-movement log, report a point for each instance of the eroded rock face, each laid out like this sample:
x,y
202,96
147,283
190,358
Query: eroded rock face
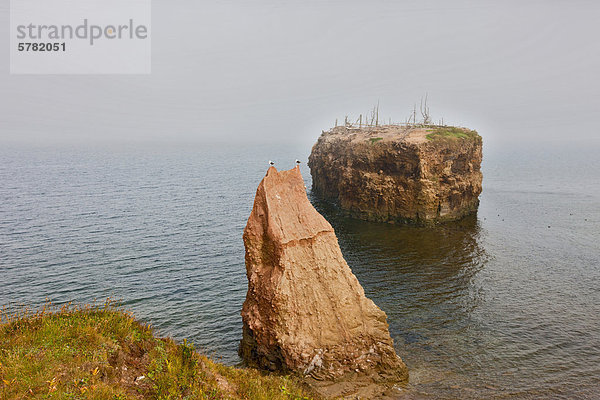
x,y
395,174
305,311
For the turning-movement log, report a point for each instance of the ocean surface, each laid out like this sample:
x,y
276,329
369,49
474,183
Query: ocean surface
x,y
505,304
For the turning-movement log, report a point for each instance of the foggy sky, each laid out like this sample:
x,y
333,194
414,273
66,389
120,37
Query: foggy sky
x,y
283,71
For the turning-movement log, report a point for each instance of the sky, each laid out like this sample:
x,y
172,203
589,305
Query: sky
x,y
283,71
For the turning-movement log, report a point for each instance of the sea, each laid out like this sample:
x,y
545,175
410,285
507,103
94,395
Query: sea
x,y
503,304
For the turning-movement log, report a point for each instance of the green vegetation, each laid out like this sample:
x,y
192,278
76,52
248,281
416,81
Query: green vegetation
x,y
451,132
375,139
104,353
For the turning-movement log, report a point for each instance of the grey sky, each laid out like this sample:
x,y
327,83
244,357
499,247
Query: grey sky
x,y
282,70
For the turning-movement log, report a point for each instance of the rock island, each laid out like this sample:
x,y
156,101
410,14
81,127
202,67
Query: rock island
x,y
409,174
305,311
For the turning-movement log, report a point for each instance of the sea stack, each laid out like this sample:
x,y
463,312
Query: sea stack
x,y
305,311
405,174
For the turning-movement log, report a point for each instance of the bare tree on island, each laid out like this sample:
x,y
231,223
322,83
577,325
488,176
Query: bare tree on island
x,y
425,111
371,119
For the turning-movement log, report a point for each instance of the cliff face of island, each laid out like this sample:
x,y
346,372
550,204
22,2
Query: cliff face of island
x,y
305,311
399,174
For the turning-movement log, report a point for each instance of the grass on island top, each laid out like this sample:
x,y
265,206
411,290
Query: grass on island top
x,y
451,132
104,353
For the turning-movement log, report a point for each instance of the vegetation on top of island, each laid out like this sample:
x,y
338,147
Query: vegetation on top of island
x,y
451,132
103,352
375,139
440,129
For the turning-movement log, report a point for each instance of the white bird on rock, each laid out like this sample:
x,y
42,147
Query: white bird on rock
x,y
271,163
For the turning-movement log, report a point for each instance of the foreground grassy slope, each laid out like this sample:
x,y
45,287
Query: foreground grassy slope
x,y
104,353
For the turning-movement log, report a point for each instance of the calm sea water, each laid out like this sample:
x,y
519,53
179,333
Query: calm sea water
x,y
504,304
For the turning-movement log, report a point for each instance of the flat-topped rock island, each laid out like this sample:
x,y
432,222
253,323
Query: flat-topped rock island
x,y
406,174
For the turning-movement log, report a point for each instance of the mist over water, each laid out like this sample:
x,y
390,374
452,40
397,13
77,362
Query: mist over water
x,y
234,71
502,304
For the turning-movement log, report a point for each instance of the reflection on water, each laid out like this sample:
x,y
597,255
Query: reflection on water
x,y
435,265
504,304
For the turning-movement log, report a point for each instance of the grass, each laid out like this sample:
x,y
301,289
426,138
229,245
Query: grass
x,y
451,132
105,353
375,139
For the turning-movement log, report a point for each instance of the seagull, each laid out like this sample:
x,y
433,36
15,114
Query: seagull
x,y
271,163
297,162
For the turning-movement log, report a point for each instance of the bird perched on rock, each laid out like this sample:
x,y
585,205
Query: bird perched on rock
x,y
271,163
297,162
